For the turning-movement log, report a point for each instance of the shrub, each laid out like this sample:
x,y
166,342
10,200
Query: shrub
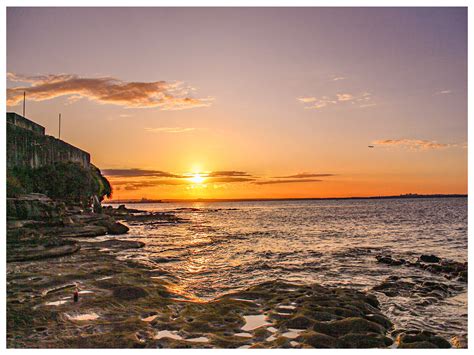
x,y
66,181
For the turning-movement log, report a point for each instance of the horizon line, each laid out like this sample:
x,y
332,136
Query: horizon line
x,y
165,200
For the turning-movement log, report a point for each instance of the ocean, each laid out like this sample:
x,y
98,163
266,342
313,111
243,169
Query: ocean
x,y
227,246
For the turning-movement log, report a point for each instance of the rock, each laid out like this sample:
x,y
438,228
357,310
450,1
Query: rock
x,y
34,207
418,345
128,293
431,263
389,261
319,340
119,244
421,339
406,287
117,228
299,322
365,341
38,253
377,318
429,258
83,231
348,325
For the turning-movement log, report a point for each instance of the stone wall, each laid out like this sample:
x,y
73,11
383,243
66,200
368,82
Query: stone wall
x,y
20,121
28,146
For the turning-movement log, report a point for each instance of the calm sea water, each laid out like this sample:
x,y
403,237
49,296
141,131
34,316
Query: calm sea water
x,y
231,245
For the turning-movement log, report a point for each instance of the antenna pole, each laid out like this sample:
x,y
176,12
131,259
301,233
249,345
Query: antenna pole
x,y
24,99
59,126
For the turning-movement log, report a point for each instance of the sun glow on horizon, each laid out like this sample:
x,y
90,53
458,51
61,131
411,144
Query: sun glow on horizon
x,y
197,178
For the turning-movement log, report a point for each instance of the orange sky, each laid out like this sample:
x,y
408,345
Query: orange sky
x,y
262,103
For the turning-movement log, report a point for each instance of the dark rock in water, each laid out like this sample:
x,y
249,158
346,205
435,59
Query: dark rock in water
x,y
389,261
421,339
129,293
431,263
430,258
117,228
119,244
406,287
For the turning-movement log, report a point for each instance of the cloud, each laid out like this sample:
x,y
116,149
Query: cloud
x,y
105,90
337,78
303,176
443,92
170,129
344,97
361,100
138,173
136,184
307,99
413,144
228,173
140,184
292,181
228,179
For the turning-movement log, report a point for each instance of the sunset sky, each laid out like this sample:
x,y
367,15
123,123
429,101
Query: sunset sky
x,y
250,102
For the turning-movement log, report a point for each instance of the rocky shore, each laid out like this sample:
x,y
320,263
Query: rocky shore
x,y
122,304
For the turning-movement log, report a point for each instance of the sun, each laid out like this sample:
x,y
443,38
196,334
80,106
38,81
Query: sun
x,y
197,178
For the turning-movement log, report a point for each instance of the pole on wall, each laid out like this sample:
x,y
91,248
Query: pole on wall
x,y
24,100
59,126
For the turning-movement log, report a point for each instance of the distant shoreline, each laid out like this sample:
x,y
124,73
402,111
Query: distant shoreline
x,y
406,196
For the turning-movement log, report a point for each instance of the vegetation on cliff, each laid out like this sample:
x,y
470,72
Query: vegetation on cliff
x,y
66,181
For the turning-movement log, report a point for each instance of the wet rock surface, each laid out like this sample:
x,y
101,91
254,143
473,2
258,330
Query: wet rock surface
x,y
124,304
432,263
121,306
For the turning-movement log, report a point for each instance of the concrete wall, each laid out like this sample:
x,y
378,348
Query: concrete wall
x,y
28,147
23,122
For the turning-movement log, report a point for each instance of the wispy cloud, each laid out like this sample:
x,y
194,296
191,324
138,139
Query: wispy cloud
x,y
303,176
338,78
361,100
170,129
413,144
288,181
443,92
105,90
138,173
135,179
228,173
229,179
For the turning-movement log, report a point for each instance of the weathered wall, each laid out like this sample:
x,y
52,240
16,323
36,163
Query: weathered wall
x,y
29,148
23,122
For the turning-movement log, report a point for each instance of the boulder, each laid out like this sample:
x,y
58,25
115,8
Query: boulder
x,y
128,293
117,228
365,340
430,258
348,325
319,340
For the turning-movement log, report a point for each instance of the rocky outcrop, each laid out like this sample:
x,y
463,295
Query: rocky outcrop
x,y
34,207
449,268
